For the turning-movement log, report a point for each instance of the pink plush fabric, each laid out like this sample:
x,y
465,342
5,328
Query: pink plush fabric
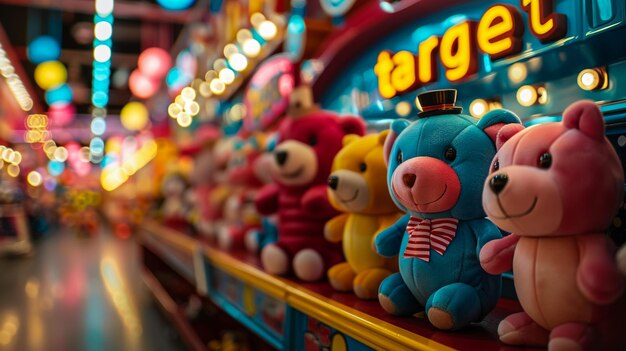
x,y
557,186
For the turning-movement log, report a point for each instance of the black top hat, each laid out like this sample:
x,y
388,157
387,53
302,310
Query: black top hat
x,y
438,102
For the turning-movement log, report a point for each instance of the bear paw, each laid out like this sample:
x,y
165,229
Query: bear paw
x,y
387,304
308,265
440,319
341,277
251,241
367,282
274,260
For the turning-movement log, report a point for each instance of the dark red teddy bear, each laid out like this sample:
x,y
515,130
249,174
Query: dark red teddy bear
x,y
309,140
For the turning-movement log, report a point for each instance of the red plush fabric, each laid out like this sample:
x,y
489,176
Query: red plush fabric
x,y
308,146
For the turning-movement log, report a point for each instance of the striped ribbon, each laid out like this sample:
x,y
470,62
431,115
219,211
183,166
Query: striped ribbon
x,y
426,234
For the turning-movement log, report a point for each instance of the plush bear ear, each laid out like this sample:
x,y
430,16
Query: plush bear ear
x,y
349,139
397,127
352,125
493,120
585,116
382,136
506,132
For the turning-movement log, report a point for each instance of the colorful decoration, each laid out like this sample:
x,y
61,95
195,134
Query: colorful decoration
x,y
557,187
50,74
357,187
267,96
42,49
437,165
134,116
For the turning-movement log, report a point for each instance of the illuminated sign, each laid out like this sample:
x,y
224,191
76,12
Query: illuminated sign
x,y
267,95
498,34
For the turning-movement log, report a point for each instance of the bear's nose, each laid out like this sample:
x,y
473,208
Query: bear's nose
x,y
333,182
409,179
498,182
281,157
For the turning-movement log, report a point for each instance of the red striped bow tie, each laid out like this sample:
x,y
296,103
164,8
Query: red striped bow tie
x,y
425,234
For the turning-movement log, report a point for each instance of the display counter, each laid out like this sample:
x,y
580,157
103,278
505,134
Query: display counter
x,y
289,315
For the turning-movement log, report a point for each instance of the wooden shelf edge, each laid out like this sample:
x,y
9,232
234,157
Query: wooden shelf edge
x,y
171,236
171,309
252,276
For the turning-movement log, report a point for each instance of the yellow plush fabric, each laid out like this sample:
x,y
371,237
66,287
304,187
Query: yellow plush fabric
x,y
357,186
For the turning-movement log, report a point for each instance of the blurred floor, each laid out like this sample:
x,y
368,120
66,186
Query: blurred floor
x,y
80,294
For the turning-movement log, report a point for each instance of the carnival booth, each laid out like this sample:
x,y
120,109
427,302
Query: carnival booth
x,y
382,61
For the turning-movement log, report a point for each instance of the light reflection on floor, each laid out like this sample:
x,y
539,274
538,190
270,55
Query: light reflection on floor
x,y
79,294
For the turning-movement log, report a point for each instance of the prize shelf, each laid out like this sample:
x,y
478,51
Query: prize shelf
x,y
364,321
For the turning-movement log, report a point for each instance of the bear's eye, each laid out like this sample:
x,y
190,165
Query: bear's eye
x,y
313,140
399,157
495,166
450,154
545,161
363,167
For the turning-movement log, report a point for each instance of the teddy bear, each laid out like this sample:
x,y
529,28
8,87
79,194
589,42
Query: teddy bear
x,y
556,187
257,238
309,140
239,212
436,167
175,206
214,197
357,186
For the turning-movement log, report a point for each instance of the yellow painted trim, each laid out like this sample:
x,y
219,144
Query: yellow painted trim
x,y
170,236
271,285
366,329
369,330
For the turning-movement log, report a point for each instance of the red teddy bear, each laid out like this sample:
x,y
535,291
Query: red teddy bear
x,y
309,140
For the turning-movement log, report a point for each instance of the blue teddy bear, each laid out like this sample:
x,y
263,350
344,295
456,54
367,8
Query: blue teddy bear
x,y
436,169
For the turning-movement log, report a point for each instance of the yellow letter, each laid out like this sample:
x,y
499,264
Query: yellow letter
x,y
403,76
544,23
383,69
458,51
500,31
427,65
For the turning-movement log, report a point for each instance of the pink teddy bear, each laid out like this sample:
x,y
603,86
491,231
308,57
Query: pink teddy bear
x,y
556,187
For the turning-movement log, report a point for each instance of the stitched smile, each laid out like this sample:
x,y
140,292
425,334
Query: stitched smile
x,y
293,174
506,215
356,193
435,200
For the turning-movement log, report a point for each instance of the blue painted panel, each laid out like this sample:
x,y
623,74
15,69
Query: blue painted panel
x,y
313,335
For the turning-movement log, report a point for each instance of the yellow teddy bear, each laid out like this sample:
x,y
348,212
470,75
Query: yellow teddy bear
x,y
358,187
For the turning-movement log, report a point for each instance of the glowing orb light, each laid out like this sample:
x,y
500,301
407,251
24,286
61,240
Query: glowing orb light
x,y
60,94
175,5
154,63
141,86
43,49
134,116
50,74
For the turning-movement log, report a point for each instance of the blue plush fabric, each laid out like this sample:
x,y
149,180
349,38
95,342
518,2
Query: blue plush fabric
x,y
453,282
